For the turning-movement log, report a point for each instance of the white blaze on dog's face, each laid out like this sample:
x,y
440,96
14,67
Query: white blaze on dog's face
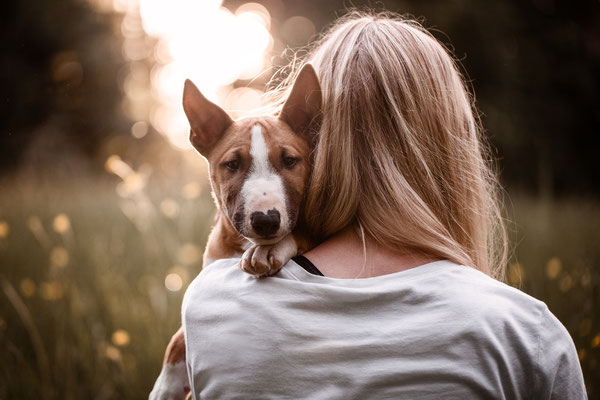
x,y
259,167
266,212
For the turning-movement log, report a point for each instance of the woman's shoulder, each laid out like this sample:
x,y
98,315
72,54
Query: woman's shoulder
x,y
499,309
219,275
524,326
510,326
474,288
490,311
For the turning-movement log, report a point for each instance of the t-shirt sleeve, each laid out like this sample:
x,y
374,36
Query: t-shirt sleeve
x,y
559,373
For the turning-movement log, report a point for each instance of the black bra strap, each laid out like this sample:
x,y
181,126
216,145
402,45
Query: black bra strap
x,y
307,265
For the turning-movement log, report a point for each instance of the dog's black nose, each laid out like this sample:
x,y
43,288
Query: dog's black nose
x,y
265,224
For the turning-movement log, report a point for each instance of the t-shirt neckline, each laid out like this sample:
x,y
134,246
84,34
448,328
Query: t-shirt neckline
x,y
298,273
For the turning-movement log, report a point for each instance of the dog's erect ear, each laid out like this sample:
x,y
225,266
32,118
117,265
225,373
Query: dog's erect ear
x,y
208,121
302,108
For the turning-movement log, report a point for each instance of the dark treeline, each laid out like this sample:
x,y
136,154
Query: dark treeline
x,y
534,66
60,84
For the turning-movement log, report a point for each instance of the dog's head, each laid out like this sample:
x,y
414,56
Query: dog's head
x,y
259,167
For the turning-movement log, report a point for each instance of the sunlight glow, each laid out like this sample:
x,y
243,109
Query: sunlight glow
x,y
199,40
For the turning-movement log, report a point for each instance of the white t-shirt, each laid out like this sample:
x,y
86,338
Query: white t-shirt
x,y
437,331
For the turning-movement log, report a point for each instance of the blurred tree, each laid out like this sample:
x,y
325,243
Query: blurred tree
x,y
58,73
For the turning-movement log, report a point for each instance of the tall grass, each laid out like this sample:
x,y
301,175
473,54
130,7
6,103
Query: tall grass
x,y
92,278
102,276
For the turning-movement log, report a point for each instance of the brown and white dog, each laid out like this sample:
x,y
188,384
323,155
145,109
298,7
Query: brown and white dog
x,y
259,170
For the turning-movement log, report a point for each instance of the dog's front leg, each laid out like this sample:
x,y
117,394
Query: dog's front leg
x,y
267,260
172,383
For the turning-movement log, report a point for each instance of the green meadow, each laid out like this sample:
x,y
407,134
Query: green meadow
x,y
93,271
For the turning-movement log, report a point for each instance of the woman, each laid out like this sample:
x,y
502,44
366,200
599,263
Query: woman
x,y
405,205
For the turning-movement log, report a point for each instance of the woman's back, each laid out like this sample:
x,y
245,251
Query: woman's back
x,y
439,330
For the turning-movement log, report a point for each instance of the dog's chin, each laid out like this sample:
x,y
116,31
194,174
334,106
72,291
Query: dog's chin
x,y
262,241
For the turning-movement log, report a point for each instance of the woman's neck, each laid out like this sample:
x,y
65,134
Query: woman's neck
x,y
343,256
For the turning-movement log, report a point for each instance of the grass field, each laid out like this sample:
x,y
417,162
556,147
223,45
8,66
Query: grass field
x,y
92,277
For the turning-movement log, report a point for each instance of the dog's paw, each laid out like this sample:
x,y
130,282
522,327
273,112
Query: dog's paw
x,y
262,261
255,261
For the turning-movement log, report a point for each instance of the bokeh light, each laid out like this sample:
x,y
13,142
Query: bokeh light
x,y
169,208
515,274
139,129
553,268
4,229
191,190
297,30
173,282
120,337
59,257
177,276
61,223
112,353
51,290
27,287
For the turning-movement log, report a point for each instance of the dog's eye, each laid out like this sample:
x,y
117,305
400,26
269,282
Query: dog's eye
x,y
289,161
232,165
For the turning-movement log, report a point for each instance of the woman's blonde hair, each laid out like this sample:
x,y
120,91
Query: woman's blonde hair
x,y
400,152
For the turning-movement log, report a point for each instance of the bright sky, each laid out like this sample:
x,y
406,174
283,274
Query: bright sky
x,y
199,40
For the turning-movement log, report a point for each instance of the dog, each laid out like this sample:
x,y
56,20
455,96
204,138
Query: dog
x,y
259,170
